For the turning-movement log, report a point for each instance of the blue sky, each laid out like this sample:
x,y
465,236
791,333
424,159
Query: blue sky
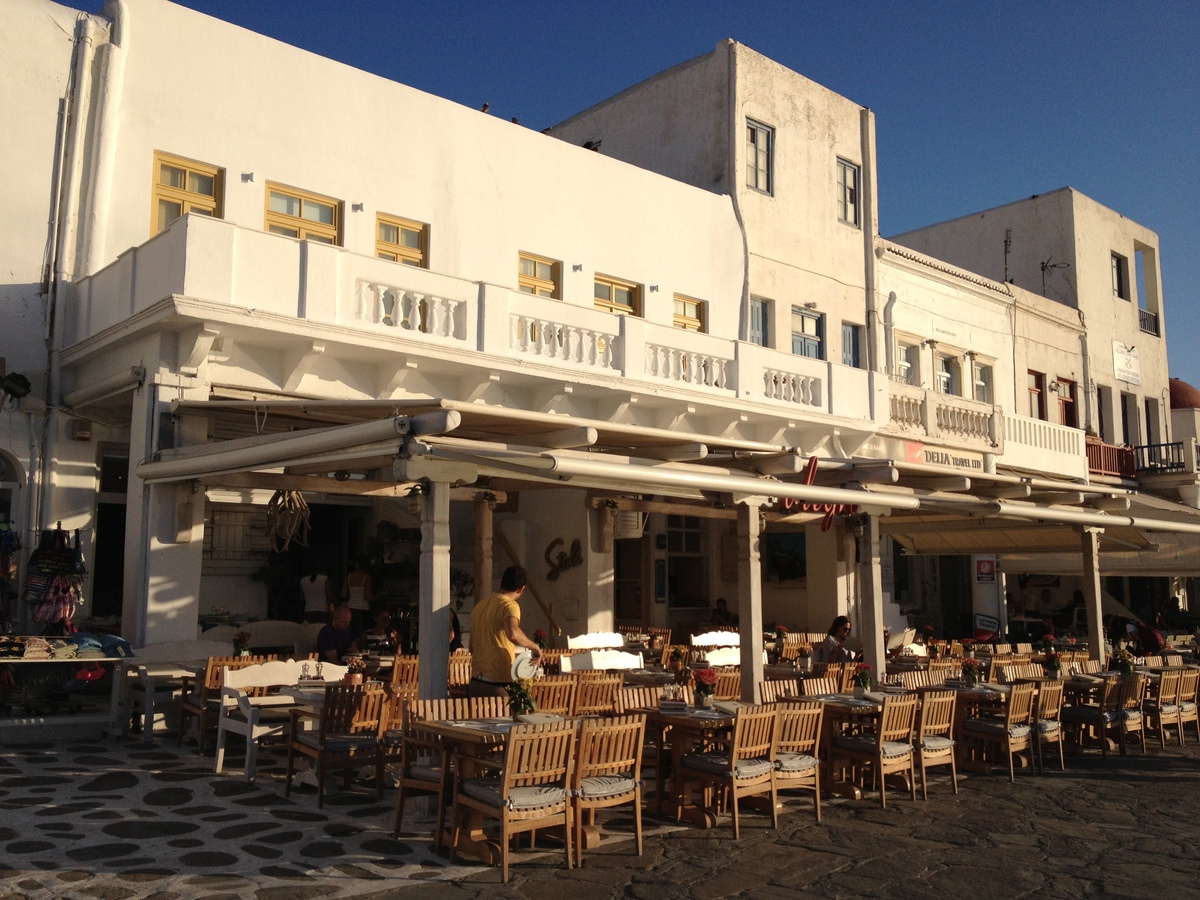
x,y
977,103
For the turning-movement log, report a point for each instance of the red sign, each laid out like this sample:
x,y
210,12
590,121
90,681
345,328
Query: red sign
x,y
830,509
985,569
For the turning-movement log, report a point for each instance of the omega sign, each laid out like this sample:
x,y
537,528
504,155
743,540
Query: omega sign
x,y
787,504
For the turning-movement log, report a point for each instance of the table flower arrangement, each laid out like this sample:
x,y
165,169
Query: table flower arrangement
x,y
1052,664
863,677
1047,643
781,633
356,668
520,697
705,682
968,645
971,672
1123,661
241,643
539,638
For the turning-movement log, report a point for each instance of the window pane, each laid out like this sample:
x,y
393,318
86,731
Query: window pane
x,y
172,176
411,237
200,211
389,233
318,238
279,229
408,262
623,296
545,292
528,267
525,289
282,203
545,271
199,183
318,212
168,212
602,291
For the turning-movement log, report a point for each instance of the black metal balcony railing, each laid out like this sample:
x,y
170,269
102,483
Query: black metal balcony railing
x,y
1159,457
1148,321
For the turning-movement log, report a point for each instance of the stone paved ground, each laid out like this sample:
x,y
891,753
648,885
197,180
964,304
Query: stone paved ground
x,y
1122,828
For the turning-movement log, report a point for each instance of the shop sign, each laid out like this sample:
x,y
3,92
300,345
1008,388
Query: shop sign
x,y
789,504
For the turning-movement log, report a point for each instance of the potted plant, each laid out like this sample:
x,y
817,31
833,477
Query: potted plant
x,y
356,668
969,647
864,679
1123,662
804,658
241,643
971,670
705,682
520,697
1052,664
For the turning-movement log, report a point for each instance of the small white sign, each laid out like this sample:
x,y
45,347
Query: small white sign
x,y
1127,364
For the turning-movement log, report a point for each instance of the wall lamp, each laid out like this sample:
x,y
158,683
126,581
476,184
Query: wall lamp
x,y
15,385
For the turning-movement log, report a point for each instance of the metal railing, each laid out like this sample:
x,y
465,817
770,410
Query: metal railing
x,y
1148,321
1160,457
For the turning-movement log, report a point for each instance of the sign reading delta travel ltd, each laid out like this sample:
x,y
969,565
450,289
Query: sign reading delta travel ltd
x,y
789,504
954,459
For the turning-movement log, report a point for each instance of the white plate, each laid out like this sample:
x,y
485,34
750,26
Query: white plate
x,y
524,666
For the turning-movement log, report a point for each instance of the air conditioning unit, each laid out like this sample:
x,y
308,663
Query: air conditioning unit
x,y
628,524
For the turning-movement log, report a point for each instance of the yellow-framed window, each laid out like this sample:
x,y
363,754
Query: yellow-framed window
x,y
402,240
538,275
690,314
300,214
616,296
184,186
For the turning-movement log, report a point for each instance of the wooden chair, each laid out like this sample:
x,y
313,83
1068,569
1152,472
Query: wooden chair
x,y
1189,682
778,688
1011,733
247,706
640,697
597,695
941,669
1173,659
202,698
350,725
889,750
1153,662
956,649
797,741
729,685
913,680
532,791
459,675
1089,667
1024,647
555,694
1162,706
404,672
423,766
1047,723
745,769
828,670
935,736
608,767
816,687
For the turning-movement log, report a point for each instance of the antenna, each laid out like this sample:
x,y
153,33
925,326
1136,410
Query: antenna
x,y
1050,265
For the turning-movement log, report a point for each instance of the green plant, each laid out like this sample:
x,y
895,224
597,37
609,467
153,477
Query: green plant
x,y
462,587
520,696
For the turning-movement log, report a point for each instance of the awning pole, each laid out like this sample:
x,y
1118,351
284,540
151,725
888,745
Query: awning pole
x,y
1090,541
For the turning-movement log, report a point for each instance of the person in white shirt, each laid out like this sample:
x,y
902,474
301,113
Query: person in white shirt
x,y
833,649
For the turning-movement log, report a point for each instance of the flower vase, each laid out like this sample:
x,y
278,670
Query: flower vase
x,y
804,663
352,678
245,652
704,701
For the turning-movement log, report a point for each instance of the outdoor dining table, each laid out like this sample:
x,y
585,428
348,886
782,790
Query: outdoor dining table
x,y
647,678
687,726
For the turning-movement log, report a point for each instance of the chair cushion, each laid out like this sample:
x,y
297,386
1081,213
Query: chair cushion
x,y
598,786
867,744
996,728
1131,716
337,743
1049,726
936,742
1167,709
795,762
718,764
432,774
1188,706
532,797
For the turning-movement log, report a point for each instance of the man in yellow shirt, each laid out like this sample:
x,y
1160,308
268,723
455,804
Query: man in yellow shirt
x,y
495,635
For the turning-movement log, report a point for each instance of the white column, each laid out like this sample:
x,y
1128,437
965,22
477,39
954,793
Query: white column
x,y
434,601
484,510
871,596
1090,539
750,596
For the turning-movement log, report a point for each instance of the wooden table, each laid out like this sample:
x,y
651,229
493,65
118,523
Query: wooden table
x,y
844,713
687,727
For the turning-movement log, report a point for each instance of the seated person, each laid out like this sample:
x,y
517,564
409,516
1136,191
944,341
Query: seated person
x,y
380,638
336,640
721,616
833,649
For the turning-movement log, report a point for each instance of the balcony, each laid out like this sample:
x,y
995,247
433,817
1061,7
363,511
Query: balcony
x,y
300,306
943,417
1110,459
1039,446
1148,322
1157,459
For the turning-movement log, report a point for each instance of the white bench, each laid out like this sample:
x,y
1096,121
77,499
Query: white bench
x,y
600,659
256,717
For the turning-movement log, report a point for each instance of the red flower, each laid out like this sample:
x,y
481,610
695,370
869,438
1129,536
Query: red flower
x,y
705,676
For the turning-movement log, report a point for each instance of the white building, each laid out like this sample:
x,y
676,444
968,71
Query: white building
x,y
637,350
